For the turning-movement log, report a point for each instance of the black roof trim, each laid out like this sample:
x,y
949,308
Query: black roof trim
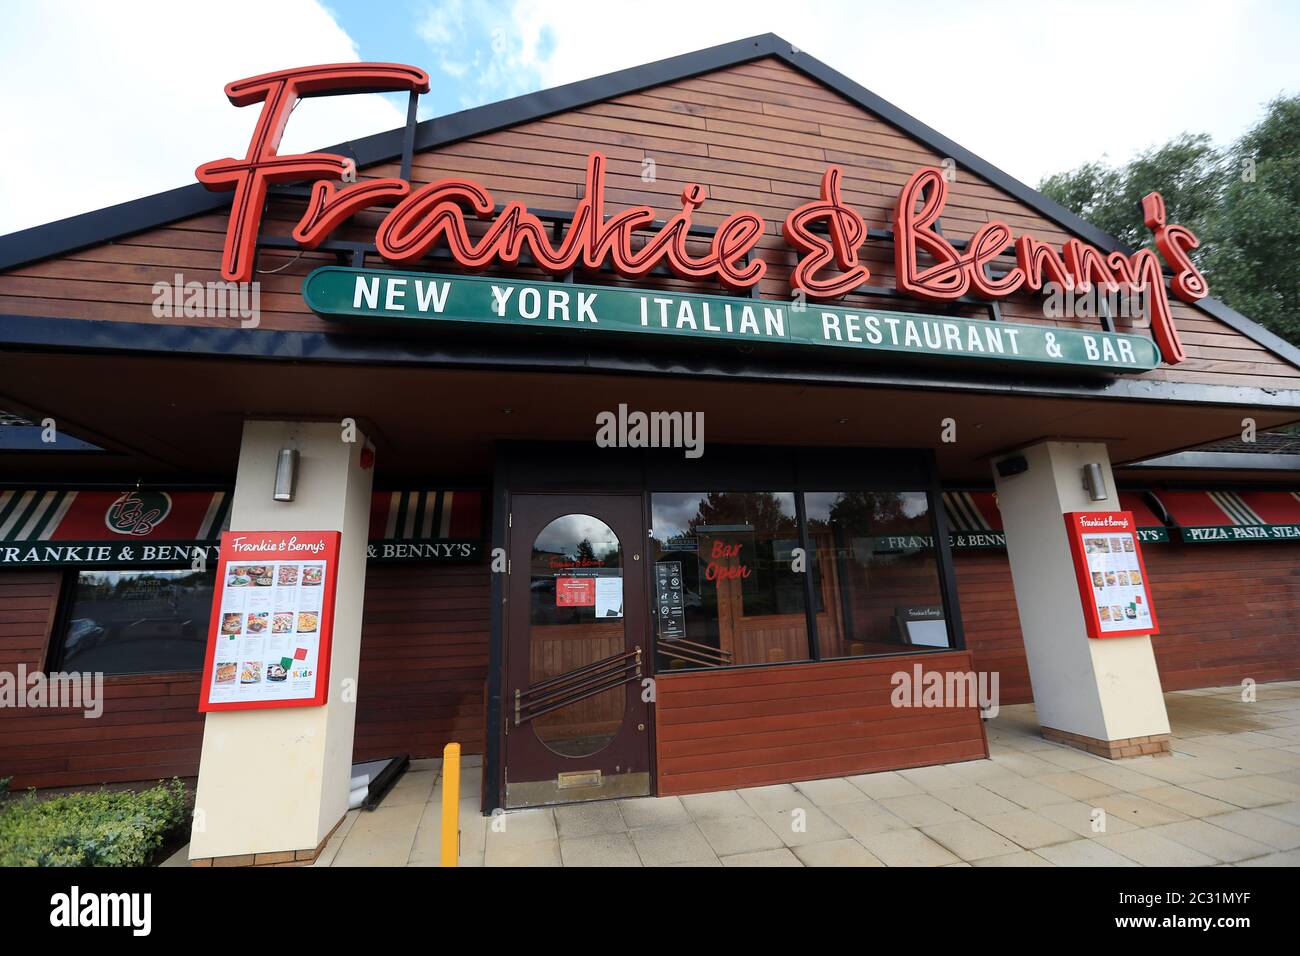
x,y
20,333
1237,461
114,222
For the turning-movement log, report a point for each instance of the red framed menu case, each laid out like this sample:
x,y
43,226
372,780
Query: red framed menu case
x,y
272,619
1111,573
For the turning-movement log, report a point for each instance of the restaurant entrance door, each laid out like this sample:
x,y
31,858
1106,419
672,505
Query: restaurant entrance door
x,y
577,726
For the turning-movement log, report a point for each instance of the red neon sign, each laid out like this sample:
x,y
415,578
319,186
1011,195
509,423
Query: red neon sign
x,y
828,266
435,213
1078,265
261,165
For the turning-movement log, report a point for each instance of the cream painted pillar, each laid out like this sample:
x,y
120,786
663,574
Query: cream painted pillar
x,y
272,781
1101,695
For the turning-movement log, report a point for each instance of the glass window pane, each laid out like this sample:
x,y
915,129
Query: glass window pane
x,y
138,622
576,619
724,588
874,572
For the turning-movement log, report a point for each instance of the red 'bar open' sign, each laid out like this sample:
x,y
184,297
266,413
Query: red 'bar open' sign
x,y
1112,576
272,620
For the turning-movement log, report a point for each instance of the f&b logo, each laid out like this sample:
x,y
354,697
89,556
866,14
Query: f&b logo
x,y
137,512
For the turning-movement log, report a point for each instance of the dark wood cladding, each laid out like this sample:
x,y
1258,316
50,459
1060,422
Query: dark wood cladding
x,y
424,660
150,726
1227,612
991,620
424,650
750,727
28,603
758,135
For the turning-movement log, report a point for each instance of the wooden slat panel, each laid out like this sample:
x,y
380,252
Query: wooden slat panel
x,y
717,730
1227,612
424,657
424,653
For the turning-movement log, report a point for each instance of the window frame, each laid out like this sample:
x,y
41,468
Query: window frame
x,y
932,489
56,651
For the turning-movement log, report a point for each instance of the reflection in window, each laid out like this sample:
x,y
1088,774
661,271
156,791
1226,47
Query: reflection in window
x,y
137,622
576,619
874,572
725,591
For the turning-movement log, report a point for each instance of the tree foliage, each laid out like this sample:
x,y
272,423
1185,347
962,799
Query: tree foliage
x,y
1243,203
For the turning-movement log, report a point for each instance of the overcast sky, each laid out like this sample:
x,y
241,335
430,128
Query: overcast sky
x,y
104,102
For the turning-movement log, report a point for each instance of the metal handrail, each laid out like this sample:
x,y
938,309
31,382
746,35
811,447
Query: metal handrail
x,y
569,675
693,657
557,692
613,674
691,651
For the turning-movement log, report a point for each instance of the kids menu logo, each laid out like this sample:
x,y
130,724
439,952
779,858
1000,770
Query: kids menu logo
x,y
826,233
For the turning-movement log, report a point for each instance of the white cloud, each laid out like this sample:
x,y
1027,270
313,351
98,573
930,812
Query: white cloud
x,y
105,102
1032,87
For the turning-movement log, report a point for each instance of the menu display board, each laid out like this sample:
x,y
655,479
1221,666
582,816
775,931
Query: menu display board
x,y
272,619
1112,575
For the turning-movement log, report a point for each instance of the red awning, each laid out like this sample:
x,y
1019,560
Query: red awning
x,y
972,512
1215,516
416,515
144,527
1136,502
31,515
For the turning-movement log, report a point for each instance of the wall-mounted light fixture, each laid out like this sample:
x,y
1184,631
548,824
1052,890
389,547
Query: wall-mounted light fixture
x,y
1094,480
286,474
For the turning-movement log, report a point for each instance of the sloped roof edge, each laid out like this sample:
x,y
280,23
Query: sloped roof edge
x,y
115,222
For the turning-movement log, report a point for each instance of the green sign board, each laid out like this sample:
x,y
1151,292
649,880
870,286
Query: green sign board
x,y
1219,534
334,292
203,554
976,540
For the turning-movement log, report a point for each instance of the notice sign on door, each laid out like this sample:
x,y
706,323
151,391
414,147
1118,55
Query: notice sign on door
x,y
575,592
272,619
1112,575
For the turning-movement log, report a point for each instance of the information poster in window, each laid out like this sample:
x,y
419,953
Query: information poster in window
x,y
1112,575
272,619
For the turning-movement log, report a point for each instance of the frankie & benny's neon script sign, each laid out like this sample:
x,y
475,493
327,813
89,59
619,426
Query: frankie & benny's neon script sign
x,y
828,268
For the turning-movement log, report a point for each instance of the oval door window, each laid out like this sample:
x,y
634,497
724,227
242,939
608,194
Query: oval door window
x,y
576,619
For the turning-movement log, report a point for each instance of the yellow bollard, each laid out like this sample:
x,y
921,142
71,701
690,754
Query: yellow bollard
x,y
451,805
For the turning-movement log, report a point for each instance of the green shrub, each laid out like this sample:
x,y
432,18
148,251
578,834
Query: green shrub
x,y
103,828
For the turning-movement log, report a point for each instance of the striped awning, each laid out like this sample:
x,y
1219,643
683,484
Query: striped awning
x,y
426,515
1204,517
974,520
64,515
150,527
